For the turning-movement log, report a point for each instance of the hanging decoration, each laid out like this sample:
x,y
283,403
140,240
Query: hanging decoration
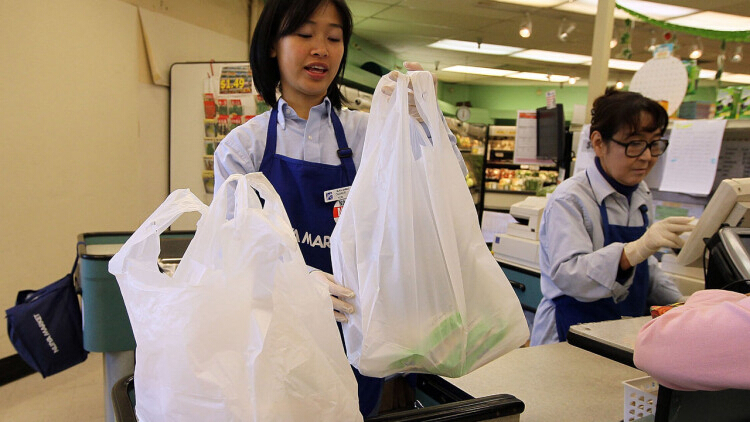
x,y
735,36
720,59
627,49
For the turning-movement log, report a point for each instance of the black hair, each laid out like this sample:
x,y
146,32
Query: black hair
x,y
280,18
616,110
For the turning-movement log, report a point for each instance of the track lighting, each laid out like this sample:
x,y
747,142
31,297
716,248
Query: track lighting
x,y
652,44
525,30
737,56
563,32
615,38
696,51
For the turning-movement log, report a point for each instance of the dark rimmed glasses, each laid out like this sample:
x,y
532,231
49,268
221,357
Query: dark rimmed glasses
x,y
635,149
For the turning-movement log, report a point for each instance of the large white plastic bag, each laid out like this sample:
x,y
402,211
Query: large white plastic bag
x,y
241,332
429,295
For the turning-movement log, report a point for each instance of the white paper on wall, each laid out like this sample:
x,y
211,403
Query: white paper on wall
x,y
691,160
585,153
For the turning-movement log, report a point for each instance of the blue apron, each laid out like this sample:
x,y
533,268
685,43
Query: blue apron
x,y
570,311
301,185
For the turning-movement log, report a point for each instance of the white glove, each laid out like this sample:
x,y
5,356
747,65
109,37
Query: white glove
x,y
393,75
340,308
662,234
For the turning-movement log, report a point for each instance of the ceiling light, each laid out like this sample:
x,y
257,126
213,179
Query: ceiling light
x,y
532,3
552,56
525,30
587,7
485,71
737,56
656,10
474,47
572,80
714,20
620,64
564,30
542,77
619,85
696,51
739,78
615,38
707,74
652,44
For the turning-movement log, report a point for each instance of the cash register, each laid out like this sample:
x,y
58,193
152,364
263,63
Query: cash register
x,y
520,244
716,252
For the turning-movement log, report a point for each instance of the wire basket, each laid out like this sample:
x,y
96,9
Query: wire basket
x,y
640,398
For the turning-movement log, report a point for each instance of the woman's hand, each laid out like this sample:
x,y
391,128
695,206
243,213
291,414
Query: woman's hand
x,y
340,308
393,75
662,234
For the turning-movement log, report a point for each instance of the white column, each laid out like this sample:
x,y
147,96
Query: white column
x,y
600,52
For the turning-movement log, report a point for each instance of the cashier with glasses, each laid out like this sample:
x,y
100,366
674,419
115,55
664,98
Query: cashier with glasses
x,y
597,233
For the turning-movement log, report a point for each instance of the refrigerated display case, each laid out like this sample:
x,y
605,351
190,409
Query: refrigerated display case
x,y
505,182
472,142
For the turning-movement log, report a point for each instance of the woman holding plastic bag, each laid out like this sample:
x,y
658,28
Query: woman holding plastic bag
x,y
233,334
307,146
430,295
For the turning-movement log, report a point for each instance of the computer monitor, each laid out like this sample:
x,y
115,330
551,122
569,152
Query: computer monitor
x,y
550,133
730,204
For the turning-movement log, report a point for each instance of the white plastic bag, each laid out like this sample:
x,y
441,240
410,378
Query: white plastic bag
x,y
429,295
240,332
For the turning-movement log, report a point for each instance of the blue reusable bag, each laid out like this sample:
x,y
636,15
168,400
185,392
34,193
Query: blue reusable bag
x,y
46,327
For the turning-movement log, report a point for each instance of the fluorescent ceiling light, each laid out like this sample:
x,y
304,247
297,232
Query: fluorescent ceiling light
x,y
624,64
621,64
657,11
714,20
474,47
552,56
739,78
543,77
707,74
486,71
533,3
587,7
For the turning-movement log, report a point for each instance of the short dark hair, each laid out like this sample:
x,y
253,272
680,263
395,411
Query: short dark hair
x,y
622,109
283,17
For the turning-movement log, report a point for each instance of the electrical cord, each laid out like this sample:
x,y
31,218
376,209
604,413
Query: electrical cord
x,y
727,287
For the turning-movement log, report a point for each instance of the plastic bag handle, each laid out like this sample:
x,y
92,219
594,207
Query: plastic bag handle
x,y
246,199
425,98
443,165
177,203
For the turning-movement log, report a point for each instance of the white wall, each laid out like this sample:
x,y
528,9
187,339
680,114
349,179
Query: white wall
x,y
84,132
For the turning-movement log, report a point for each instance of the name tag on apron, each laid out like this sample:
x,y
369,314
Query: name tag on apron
x,y
339,194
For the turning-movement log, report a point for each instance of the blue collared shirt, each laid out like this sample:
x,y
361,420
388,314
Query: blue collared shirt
x,y
573,259
311,140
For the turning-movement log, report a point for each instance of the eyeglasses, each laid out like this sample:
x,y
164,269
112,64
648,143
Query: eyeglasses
x,y
637,148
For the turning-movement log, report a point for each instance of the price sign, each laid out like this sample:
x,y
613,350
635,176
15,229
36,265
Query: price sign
x,y
236,80
232,85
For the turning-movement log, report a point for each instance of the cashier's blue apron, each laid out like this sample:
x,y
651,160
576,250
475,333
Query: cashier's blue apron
x,y
570,311
301,186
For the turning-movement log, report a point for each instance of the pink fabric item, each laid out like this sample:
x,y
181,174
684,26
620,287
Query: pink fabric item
x,y
702,345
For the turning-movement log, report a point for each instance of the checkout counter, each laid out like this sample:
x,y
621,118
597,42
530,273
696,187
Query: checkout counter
x,y
517,250
574,381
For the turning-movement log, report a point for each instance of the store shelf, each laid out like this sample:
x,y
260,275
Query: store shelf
x,y
471,140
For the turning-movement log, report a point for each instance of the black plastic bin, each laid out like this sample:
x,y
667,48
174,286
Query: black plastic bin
x,y
443,402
